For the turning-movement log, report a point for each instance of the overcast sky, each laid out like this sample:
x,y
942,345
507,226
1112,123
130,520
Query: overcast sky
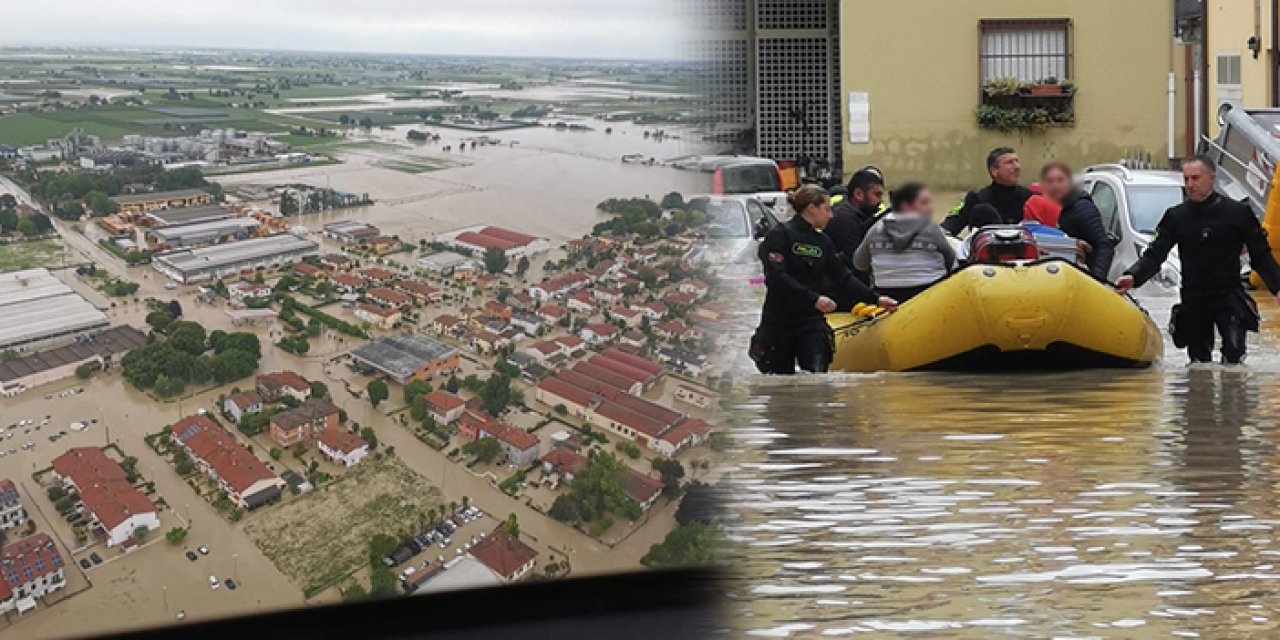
x,y
570,28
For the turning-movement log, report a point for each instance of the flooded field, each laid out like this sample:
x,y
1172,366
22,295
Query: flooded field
x,y
547,183
1090,504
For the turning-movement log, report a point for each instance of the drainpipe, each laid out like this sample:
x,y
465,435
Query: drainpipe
x,y
1274,57
1173,109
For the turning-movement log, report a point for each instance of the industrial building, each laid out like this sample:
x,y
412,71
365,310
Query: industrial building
x,y
37,309
189,215
163,199
97,350
350,231
444,262
202,233
408,357
513,243
195,265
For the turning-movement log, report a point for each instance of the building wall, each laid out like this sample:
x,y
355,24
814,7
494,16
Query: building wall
x,y
438,367
922,116
124,530
291,437
1230,25
18,385
12,516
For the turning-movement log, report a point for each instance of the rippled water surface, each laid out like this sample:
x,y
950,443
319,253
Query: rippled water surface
x,y
1087,504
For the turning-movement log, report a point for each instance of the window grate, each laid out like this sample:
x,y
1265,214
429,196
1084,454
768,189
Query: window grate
x,y
1029,50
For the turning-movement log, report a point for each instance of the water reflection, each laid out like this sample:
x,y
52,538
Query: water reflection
x,y
1085,504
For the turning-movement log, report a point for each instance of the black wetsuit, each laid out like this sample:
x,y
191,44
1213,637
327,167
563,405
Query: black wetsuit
x,y
797,259
849,225
1007,201
1210,236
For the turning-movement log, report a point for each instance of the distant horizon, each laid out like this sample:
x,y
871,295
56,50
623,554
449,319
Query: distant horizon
x,y
558,29
213,50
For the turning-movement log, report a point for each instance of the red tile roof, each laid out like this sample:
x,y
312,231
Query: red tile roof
x,y
602,329
377,273
383,312
566,461
220,450
562,389
508,235
443,401
620,368
307,269
347,280
341,441
246,399
637,421
104,487
502,553
552,311
447,319
484,242
640,487
652,409
389,296
517,438
571,342
417,288
604,375
633,360
546,347
27,555
587,383
285,379
687,427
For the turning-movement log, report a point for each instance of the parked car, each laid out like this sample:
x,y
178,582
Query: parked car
x,y
1132,202
231,584
97,559
213,582
204,551
84,563
192,556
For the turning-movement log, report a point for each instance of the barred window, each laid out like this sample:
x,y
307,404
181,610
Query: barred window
x,y
1029,50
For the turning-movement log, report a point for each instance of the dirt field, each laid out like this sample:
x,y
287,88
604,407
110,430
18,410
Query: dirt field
x,y
321,537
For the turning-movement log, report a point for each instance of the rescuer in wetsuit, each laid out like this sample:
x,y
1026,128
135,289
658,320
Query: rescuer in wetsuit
x,y
1210,231
1004,195
796,256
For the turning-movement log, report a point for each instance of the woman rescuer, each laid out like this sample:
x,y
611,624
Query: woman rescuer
x,y
798,258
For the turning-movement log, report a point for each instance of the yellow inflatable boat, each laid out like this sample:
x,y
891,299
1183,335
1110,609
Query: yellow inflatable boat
x,y
1046,315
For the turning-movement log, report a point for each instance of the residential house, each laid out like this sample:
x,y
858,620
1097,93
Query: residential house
x,y
582,302
445,323
336,262
382,245
420,290
520,447
470,423
645,255
694,287
552,313
381,317
631,318
689,362
346,449
543,351
389,298
559,286
495,309
116,509
487,342
526,321
684,434
247,481
347,282
599,333
633,338
506,556
564,462
444,407
676,330
29,568
678,299
241,290
273,387
642,489
377,275
607,296
655,311
238,405
301,423
308,270
11,512
572,345
695,396
487,281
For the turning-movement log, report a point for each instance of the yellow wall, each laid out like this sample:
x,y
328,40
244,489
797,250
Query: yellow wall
x,y
1230,24
918,59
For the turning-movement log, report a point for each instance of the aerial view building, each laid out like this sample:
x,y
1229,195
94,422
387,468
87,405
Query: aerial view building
x,y
37,309
406,357
116,509
243,476
196,265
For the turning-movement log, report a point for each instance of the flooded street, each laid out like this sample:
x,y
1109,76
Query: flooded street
x,y
1113,504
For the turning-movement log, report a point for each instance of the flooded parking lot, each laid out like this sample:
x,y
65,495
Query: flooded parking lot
x,y
1087,504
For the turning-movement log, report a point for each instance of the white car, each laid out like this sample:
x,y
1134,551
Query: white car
x,y
732,221
1131,202
213,582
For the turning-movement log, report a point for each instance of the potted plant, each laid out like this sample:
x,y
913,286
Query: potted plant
x,y
1046,87
1000,87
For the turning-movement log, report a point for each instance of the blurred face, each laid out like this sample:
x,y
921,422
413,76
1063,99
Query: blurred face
x,y
922,205
1007,170
818,215
1056,185
1198,181
868,199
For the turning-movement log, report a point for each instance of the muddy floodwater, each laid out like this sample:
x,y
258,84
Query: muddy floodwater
x,y
1126,504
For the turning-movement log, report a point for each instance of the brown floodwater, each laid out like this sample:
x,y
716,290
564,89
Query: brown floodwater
x,y
1113,504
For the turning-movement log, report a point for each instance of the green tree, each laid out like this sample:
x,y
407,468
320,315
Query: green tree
x,y
418,408
496,394
72,210
414,389
484,449
276,453
380,546
511,526
522,266
187,336
691,544
83,372
671,471
101,204
495,260
8,220
140,534
27,227
382,583
160,320
176,535
319,390
369,436
356,592
56,492
378,391
673,200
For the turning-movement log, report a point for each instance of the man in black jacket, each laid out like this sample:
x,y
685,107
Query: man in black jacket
x,y
1080,219
797,257
1004,194
1210,231
854,215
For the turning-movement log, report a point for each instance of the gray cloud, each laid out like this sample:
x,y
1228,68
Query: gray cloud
x,y
572,28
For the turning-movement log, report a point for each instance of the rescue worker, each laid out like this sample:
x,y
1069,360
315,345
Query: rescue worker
x,y
796,256
852,216
1079,219
1210,232
1004,194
